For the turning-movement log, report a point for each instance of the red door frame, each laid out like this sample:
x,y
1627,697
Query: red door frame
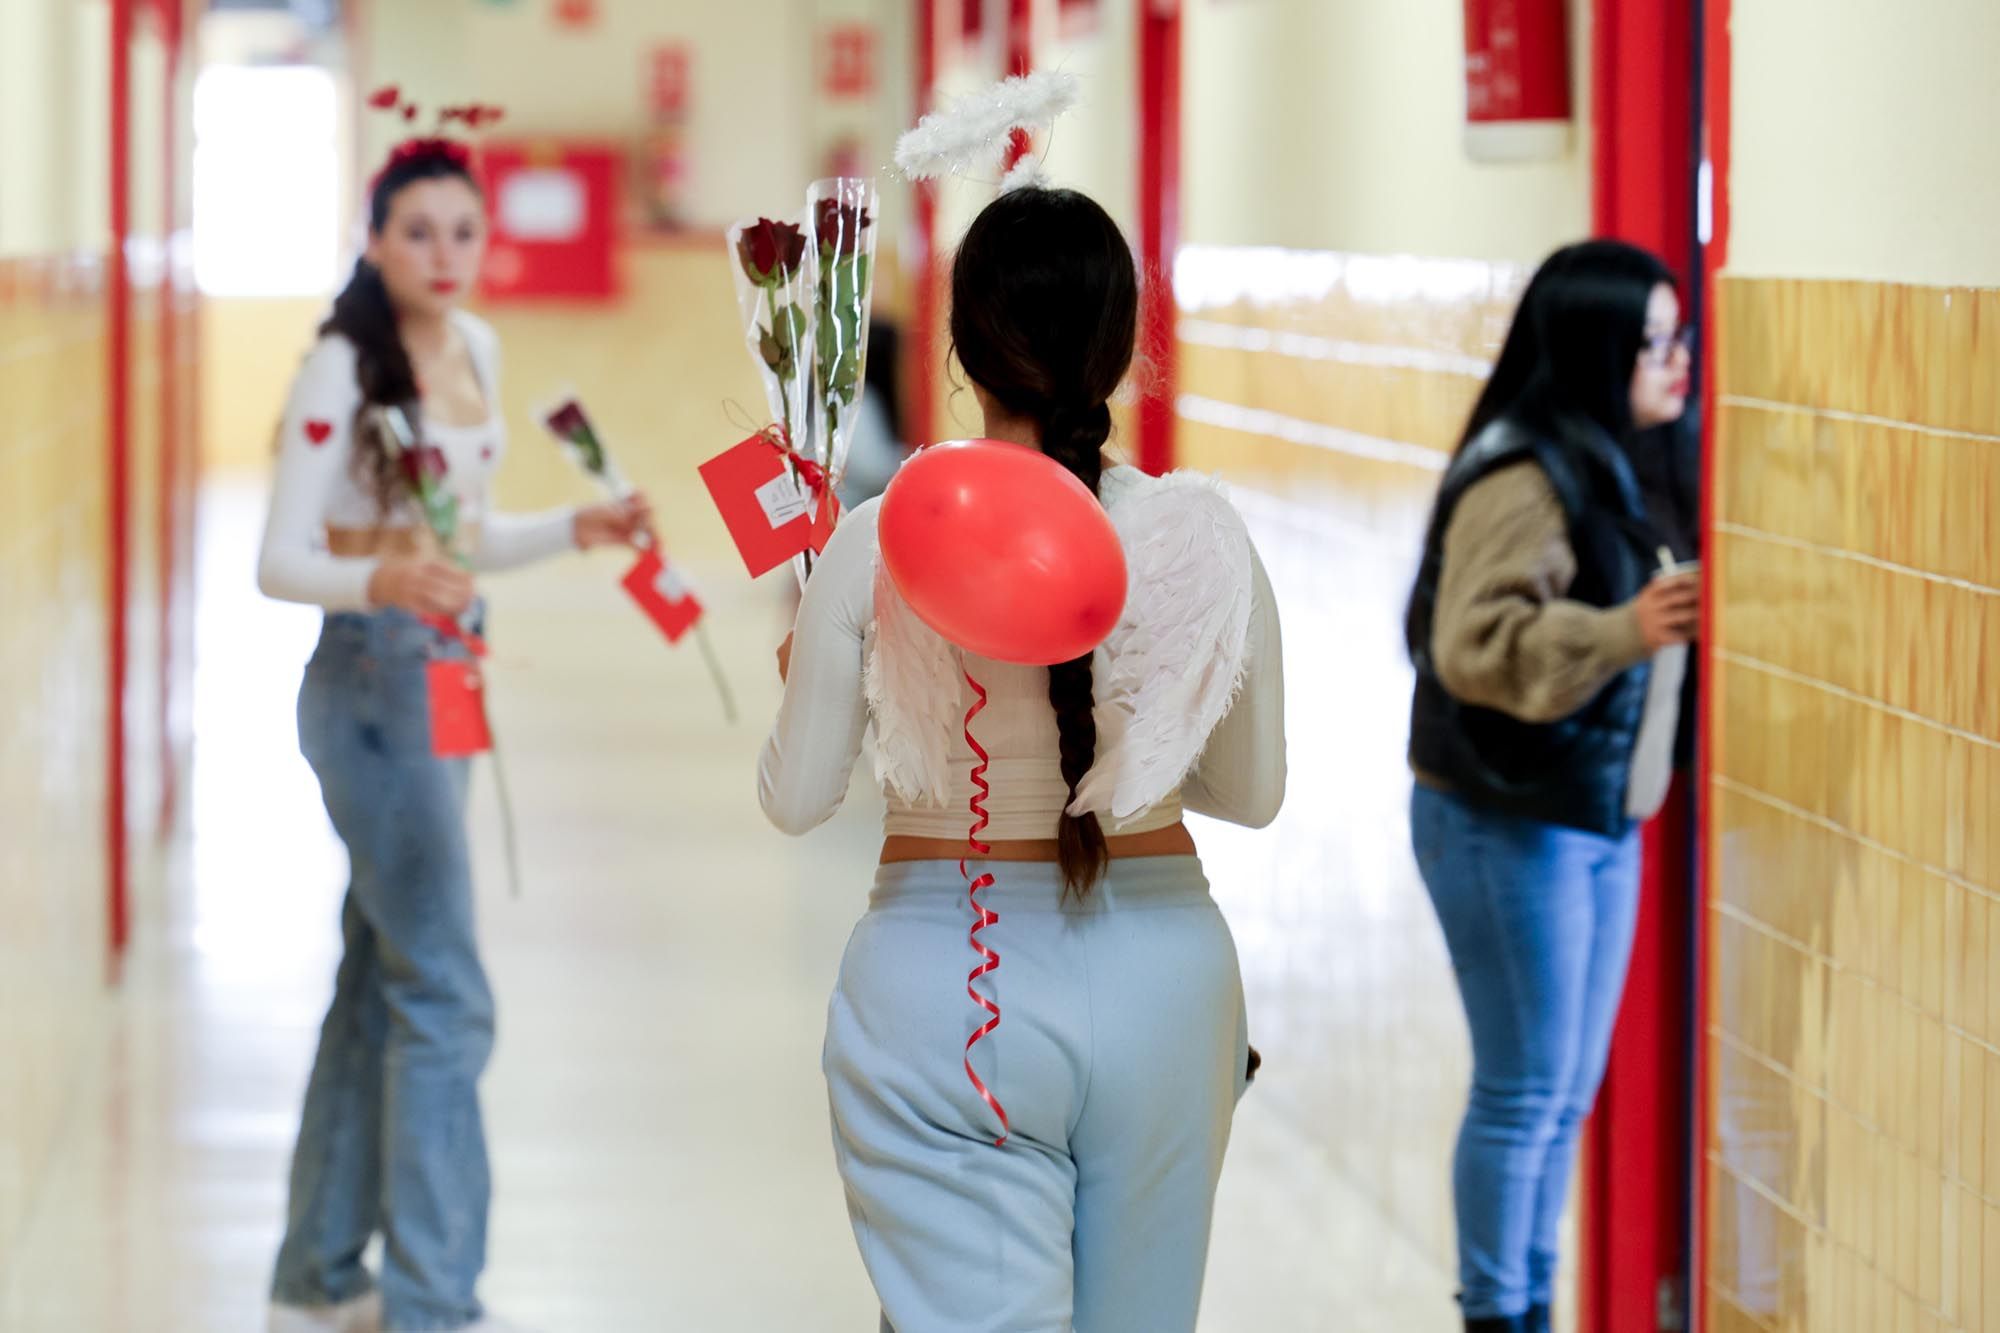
x,y
118,295
1159,225
1636,1174
1718,71
920,360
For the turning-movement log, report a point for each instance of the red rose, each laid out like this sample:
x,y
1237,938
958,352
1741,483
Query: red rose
x,y
839,226
385,97
770,250
568,421
423,466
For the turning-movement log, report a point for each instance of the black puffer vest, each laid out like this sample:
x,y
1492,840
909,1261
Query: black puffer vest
x,y
1573,772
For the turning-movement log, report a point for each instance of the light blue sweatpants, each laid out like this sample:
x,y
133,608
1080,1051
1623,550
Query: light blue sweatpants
x,y
1119,1058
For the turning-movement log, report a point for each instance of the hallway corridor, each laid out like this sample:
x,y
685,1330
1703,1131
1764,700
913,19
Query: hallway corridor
x,y
655,1106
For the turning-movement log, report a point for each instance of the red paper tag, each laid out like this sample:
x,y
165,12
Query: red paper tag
x,y
458,709
769,513
823,521
663,595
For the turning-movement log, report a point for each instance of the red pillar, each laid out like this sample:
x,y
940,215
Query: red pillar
x,y
1159,224
1020,61
921,358
1642,112
118,298
1635,1179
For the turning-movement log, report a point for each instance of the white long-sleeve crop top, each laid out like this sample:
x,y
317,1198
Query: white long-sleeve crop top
x,y
316,487
1189,689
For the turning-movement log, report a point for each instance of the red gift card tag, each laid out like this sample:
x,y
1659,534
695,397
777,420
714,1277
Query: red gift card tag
x,y
458,709
823,521
663,595
769,514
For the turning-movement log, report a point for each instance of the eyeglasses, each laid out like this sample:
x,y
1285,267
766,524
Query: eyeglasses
x,y
1659,348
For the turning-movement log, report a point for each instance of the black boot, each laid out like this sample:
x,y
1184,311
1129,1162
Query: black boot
x,y
1499,1324
1540,1320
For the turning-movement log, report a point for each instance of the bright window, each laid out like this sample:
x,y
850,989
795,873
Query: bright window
x,y
266,181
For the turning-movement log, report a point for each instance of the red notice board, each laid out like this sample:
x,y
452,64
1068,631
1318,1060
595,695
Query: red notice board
x,y
553,212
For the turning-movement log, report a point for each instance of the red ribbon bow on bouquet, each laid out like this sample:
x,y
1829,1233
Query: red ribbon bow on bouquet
x,y
810,473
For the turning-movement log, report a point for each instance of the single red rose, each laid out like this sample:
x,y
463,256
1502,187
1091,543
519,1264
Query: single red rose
x,y
424,465
568,421
838,226
770,250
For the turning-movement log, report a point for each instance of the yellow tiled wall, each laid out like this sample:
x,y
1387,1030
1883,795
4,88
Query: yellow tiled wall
x,y
1854,1037
1329,389
55,545
52,699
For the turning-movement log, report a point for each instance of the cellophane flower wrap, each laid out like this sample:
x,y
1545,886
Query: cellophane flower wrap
x,y
774,295
841,212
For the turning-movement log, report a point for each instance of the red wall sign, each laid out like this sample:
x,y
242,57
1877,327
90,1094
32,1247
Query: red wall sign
x,y
576,13
850,60
1516,61
554,211
667,82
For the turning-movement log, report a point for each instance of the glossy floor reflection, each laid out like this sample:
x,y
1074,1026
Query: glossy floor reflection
x,y
657,1115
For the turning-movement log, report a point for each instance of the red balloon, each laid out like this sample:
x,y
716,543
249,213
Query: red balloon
x,y
1000,549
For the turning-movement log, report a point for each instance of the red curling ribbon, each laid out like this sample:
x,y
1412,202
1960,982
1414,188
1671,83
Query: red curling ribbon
x,y
988,960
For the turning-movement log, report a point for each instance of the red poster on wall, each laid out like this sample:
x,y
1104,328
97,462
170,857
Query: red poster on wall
x,y
576,13
850,61
554,216
667,83
1078,18
1517,100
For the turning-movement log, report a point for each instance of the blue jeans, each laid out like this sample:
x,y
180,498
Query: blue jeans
x,y
1539,922
391,1139
1119,1059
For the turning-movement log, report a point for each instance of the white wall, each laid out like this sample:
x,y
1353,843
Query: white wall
x,y
1866,140
54,193
1337,125
754,84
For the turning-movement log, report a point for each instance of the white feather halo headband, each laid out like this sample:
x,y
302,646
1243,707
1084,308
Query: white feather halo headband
x,y
972,132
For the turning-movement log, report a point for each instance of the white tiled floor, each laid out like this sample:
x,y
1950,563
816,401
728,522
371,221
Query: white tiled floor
x,y
657,1114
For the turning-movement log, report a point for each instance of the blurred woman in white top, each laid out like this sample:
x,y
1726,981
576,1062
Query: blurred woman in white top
x,y
391,1138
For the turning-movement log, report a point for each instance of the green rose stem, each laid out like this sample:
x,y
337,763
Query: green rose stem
x,y
597,461
441,512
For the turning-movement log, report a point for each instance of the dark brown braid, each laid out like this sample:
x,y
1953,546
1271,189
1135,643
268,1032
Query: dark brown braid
x,y
1044,315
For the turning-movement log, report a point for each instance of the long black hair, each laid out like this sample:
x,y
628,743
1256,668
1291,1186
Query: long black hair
x,y
1565,370
366,317
1568,360
1044,315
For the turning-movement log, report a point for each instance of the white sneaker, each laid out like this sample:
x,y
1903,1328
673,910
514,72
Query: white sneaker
x,y
363,1314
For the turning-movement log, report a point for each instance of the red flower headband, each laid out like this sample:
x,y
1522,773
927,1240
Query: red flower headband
x,y
474,115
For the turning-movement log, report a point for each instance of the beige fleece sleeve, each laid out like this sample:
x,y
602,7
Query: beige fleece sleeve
x,y
1505,636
